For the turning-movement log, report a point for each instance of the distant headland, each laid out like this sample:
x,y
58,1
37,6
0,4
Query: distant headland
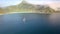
x,y
25,7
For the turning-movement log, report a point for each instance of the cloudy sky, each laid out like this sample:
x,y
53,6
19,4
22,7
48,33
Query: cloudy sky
x,y
52,3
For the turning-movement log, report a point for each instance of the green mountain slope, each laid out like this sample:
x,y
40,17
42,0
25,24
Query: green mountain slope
x,y
26,7
1,11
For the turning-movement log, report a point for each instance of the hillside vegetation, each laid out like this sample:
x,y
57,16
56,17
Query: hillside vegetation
x,y
25,7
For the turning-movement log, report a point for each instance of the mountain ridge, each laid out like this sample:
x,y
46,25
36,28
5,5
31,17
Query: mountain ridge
x,y
25,7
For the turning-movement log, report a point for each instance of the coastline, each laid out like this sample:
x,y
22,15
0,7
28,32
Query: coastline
x,y
23,12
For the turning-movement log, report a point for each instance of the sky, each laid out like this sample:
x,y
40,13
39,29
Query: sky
x,y
52,3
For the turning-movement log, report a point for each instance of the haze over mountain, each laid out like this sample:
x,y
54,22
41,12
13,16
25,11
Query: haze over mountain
x,y
25,7
52,3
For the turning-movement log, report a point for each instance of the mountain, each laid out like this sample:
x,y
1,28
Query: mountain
x,y
25,7
1,11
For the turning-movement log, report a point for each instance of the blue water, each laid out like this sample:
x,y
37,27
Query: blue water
x,y
34,24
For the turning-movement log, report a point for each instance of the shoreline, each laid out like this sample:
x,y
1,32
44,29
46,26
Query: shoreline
x,y
23,12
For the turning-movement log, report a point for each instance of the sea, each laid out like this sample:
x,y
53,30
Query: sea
x,y
26,23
